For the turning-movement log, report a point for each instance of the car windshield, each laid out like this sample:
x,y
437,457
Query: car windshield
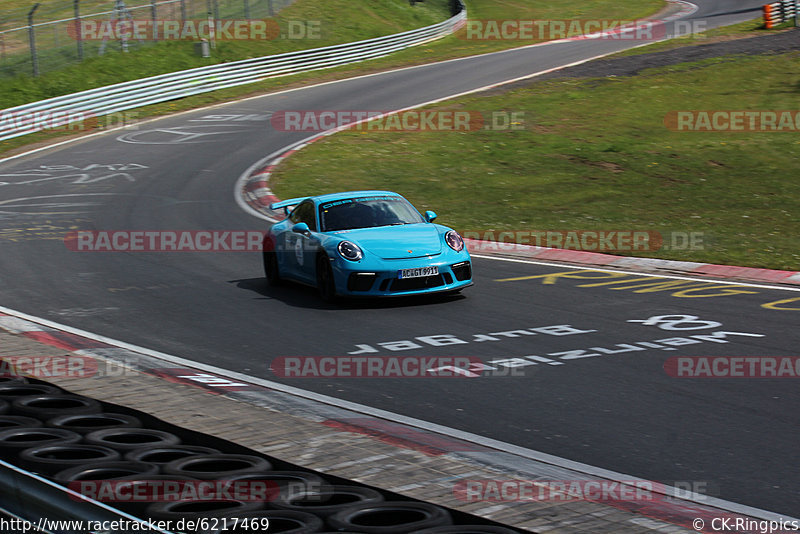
x,y
367,212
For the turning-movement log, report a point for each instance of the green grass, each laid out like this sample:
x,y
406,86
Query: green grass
x,y
340,21
743,30
80,77
595,154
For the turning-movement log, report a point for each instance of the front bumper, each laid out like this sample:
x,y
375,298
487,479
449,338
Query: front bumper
x,y
362,279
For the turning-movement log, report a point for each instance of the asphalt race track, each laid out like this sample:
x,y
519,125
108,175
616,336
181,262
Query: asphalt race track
x,y
593,391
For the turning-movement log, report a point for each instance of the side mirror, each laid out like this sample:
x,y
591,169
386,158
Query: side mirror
x,y
430,216
301,228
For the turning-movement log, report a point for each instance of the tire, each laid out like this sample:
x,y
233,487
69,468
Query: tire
x,y
164,455
18,421
4,406
98,471
282,483
466,529
328,501
14,440
46,407
390,517
50,459
271,270
149,490
326,285
128,439
174,511
12,391
12,379
217,466
280,521
86,423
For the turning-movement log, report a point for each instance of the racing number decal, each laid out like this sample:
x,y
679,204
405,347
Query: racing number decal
x,y
298,251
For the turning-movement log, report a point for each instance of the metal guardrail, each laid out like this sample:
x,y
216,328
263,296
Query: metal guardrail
x,y
780,12
48,507
60,111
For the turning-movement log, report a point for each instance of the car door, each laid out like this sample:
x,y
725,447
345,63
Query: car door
x,y
300,247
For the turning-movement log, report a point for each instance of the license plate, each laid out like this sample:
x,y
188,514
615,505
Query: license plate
x,y
419,272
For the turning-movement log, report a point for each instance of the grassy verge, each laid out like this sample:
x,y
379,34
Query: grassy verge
x,y
340,21
363,24
594,154
743,30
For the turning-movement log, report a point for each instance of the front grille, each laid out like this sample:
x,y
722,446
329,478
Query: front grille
x,y
462,271
411,284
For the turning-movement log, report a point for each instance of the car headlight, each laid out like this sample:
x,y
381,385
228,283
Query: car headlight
x,y
349,251
454,240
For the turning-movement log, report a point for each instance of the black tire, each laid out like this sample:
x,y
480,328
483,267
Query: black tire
x,y
466,529
211,508
390,517
164,455
86,423
46,407
12,391
217,466
328,501
4,406
128,439
271,269
281,483
14,440
18,421
50,459
146,490
326,285
280,521
12,379
98,471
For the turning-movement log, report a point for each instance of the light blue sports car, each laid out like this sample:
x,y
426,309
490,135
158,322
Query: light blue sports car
x,y
364,243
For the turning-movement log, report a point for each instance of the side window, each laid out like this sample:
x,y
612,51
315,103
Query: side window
x,y
304,213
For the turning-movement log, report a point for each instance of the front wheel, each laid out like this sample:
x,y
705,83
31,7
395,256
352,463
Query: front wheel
x,y
325,283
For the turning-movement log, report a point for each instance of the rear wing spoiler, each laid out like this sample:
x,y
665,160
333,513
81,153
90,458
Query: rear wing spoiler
x,y
286,204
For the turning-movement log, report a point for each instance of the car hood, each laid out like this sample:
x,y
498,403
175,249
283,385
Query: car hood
x,y
397,242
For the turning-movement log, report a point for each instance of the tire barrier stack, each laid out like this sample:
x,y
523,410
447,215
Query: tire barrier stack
x,y
779,12
144,467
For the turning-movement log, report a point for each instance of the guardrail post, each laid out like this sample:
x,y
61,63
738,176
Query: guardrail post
x,y
154,16
78,32
183,12
161,88
796,14
32,40
246,9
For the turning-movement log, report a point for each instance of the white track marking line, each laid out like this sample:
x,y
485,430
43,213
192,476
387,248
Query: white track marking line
x,y
405,420
693,9
636,273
